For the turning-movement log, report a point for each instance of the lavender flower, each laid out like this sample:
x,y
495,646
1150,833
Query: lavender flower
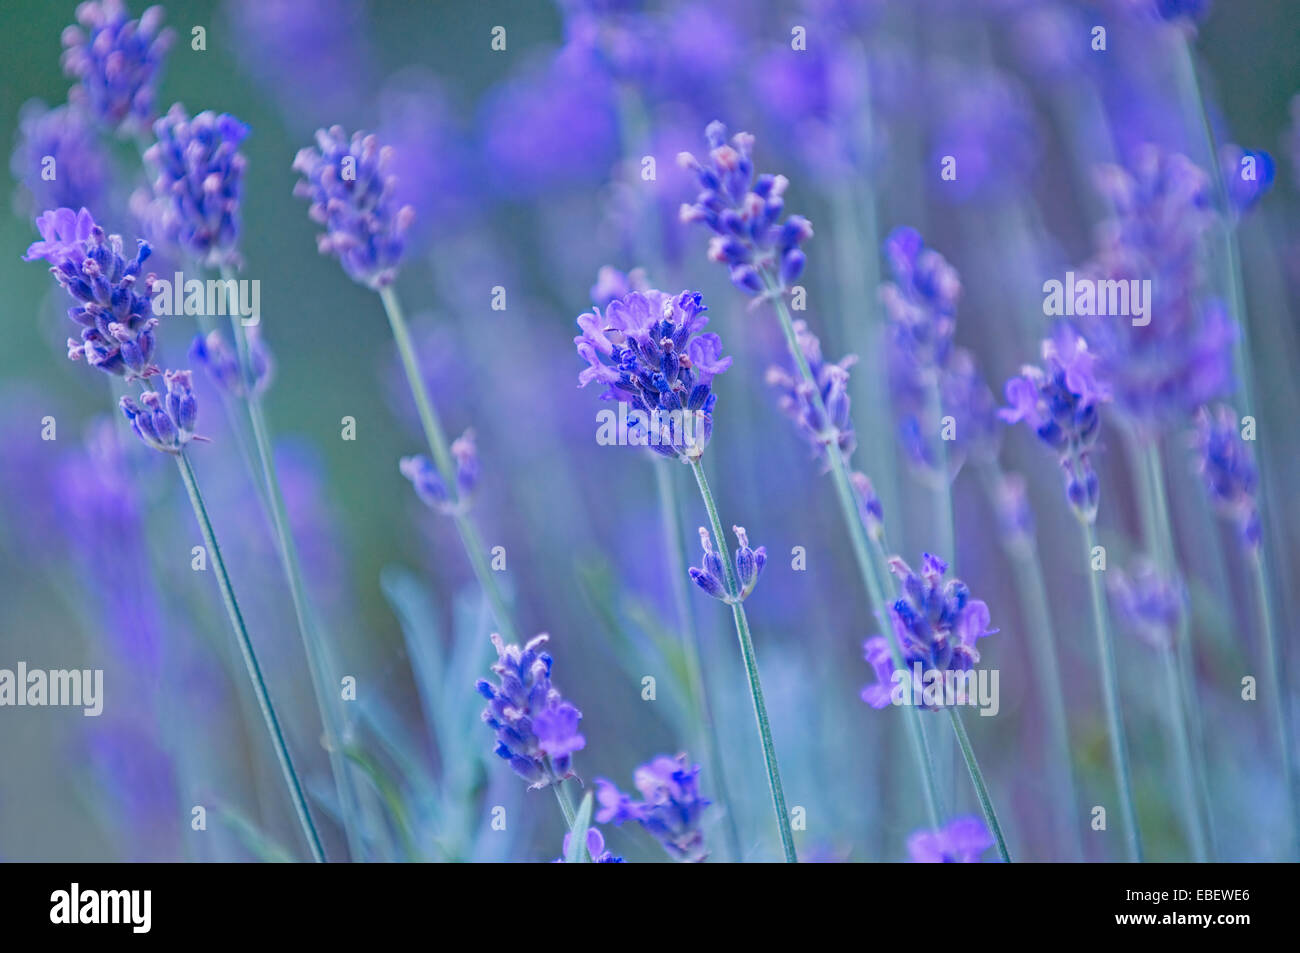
x,y
1228,467
595,848
937,626
1147,603
198,179
870,510
428,483
1185,10
961,841
712,578
670,808
215,356
80,164
117,329
921,302
1246,182
1015,516
798,402
351,189
165,422
613,285
1060,403
536,729
117,63
761,252
660,364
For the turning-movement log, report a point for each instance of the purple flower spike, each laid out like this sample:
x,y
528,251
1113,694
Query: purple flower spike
x,y
712,578
165,422
744,213
63,134
198,180
670,808
647,349
352,193
117,63
428,482
799,403
961,841
216,357
117,326
536,729
1228,467
595,848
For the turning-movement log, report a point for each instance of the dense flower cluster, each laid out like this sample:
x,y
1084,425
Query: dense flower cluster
x,y
165,422
536,729
659,363
761,252
114,312
1228,468
670,808
198,179
117,62
216,357
352,193
799,403
1060,403
961,841
712,578
936,624
428,482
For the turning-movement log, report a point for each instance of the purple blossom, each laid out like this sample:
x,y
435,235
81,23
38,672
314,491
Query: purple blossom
x,y
870,510
961,841
670,808
761,252
612,285
595,848
428,482
1147,602
1247,176
353,194
81,172
198,181
165,421
1185,10
1060,403
1228,468
648,350
712,578
216,357
921,301
117,63
798,401
536,729
1015,515
936,623
117,333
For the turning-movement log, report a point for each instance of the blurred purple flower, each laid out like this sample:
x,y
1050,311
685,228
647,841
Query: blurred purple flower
x,y
428,483
985,122
961,841
117,63
595,848
216,357
670,808
1247,176
799,404
79,175
1147,602
1228,467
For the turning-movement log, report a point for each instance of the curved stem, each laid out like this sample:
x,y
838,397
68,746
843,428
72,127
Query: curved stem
x,y
250,660
751,672
1110,693
678,564
440,449
977,779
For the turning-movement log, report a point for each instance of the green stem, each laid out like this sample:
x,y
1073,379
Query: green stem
x,y
1110,693
440,449
751,671
566,804
679,562
317,665
250,659
1183,753
1277,689
977,779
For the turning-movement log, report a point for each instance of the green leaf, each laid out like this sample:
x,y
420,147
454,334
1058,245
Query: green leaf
x,y
577,852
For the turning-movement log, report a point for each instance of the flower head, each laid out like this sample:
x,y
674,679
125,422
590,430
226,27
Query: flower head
x,y
198,180
64,135
1060,404
799,403
712,578
165,422
117,63
536,729
1228,467
215,356
428,482
937,625
117,333
351,189
1147,602
595,848
744,213
670,808
647,349
961,841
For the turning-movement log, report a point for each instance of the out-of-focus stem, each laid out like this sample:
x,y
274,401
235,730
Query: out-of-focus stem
x,y
1278,693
